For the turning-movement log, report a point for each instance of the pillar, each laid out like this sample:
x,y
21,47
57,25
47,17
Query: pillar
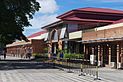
x,y
84,50
109,56
60,44
117,55
99,60
121,55
101,56
92,50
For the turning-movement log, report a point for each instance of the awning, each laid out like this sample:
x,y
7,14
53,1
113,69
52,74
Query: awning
x,y
103,40
46,36
63,30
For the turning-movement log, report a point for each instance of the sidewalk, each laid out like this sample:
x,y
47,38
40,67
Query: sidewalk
x,y
106,74
111,74
12,58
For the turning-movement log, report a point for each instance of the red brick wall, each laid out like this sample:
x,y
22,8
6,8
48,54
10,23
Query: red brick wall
x,y
108,33
114,32
38,46
100,34
89,36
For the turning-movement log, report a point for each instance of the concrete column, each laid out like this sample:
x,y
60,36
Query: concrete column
x,y
109,56
92,50
60,44
117,55
121,55
99,60
49,48
84,51
101,56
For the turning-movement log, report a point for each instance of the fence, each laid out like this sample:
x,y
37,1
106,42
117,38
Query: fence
x,y
80,66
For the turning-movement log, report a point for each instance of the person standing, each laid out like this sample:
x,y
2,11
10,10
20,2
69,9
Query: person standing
x,y
29,52
4,53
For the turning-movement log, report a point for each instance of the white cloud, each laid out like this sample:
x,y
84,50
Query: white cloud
x,y
46,15
48,6
39,21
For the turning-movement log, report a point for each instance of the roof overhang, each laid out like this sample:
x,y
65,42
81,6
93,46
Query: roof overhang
x,y
18,44
110,26
53,24
92,10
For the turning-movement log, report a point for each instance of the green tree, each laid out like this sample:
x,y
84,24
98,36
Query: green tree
x,y
14,16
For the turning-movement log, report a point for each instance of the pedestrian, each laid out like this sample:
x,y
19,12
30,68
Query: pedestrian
x,y
4,53
29,52
61,55
49,55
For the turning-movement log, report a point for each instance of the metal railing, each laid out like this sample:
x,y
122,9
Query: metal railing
x,y
80,66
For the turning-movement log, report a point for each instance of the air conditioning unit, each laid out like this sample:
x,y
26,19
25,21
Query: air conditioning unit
x,y
119,65
112,65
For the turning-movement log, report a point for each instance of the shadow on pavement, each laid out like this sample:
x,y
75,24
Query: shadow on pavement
x,y
23,64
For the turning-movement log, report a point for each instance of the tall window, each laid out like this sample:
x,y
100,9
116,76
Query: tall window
x,y
55,35
72,27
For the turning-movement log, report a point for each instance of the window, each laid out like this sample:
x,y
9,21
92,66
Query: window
x,y
55,35
72,27
63,31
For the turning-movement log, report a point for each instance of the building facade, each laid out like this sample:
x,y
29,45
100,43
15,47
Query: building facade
x,y
89,31
36,44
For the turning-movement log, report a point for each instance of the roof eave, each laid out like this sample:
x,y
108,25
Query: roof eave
x,y
52,24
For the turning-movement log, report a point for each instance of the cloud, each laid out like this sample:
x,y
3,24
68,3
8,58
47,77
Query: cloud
x,y
48,6
39,21
46,15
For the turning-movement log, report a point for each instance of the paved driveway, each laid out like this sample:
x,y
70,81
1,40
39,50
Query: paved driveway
x,y
43,75
111,74
38,72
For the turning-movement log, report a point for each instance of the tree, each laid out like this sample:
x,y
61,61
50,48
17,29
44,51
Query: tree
x,y
14,16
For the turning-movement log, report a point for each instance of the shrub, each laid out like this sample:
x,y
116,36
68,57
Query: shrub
x,y
76,56
36,55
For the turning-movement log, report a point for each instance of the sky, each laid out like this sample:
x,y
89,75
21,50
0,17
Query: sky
x,y
50,9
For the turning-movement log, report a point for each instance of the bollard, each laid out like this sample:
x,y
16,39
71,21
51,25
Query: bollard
x,y
81,70
61,64
69,69
97,74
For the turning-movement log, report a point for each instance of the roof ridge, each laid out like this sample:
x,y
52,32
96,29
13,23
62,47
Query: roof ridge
x,y
36,34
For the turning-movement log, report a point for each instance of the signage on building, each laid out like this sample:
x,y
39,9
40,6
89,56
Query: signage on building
x,y
75,35
92,59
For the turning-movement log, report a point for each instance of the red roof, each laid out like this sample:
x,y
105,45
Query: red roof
x,y
104,10
119,21
90,9
36,34
87,20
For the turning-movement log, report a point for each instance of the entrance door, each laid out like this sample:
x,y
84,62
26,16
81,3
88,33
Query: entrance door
x,y
105,54
114,53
